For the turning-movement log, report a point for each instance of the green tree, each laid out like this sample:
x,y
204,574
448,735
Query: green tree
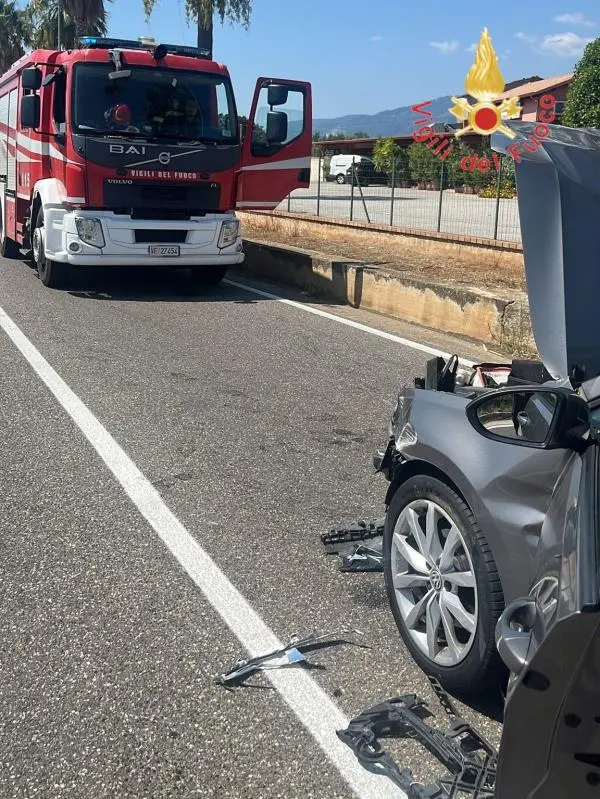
x,y
202,12
390,158
457,176
424,165
85,14
14,34
385,154
582,109
79,18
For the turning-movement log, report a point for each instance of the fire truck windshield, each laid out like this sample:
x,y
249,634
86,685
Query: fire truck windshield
x,y
154,102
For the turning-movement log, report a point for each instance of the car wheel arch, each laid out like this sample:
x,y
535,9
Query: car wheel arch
x,y
412,468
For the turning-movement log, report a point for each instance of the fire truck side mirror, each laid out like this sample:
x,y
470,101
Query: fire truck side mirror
x,y
277,95
31,79
277,127
30,111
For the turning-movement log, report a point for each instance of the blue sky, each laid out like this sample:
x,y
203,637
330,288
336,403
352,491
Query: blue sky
x,y
368,58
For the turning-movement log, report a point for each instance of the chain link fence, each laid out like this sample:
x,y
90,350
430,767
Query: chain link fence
x,y
445,197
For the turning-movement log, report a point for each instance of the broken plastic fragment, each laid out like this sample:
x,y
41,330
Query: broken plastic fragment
x,y
288,655
468,758
363,559
357,556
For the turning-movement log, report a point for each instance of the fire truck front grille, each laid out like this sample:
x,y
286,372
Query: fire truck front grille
x,y
187,198
160,236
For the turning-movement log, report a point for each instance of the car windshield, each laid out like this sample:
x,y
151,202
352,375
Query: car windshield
x,y
154,102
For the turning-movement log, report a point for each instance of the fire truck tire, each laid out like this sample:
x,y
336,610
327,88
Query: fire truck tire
x,y
51,273
8,247
206,276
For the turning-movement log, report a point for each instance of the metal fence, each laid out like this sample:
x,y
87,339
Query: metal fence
x,y
474,205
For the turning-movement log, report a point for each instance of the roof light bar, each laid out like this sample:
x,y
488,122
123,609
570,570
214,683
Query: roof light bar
x,y
144,43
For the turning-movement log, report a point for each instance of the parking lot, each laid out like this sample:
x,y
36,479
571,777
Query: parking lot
x,y
168,465
463,214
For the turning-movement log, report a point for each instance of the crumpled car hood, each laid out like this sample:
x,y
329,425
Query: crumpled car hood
x,y
558,188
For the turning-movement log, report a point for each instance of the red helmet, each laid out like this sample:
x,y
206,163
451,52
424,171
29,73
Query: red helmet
x,y
120,114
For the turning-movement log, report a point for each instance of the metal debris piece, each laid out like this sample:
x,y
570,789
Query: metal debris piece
x,y
291,654
467,757
363,559
356,556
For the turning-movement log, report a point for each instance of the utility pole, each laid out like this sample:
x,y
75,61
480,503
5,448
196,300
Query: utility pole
x,y
60,22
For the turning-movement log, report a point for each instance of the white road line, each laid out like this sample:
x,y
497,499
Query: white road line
x,y
415,345
320,716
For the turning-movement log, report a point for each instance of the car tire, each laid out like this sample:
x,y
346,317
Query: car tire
x,y
52,273
206,276
459,581
340,179
8,247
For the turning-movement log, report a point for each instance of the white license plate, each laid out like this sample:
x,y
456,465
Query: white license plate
x,y
164,250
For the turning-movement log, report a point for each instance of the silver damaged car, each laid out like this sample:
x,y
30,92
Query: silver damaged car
x,y
482,481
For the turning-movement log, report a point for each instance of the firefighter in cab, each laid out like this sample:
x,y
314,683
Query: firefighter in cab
x,y
119,117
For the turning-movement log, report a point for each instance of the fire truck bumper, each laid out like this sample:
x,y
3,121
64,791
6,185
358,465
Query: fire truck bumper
x,y
124,260
100,238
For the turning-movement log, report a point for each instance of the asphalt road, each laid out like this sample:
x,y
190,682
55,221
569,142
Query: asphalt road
x,y
255,422
463,214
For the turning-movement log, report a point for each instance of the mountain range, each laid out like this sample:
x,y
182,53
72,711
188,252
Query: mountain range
x,y
398,121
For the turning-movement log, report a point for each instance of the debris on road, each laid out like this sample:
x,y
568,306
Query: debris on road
x,y
290,655
357,556
467,757
363,559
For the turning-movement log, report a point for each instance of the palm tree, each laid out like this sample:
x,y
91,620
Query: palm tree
x,y
203,13
79,18
85,13
14,34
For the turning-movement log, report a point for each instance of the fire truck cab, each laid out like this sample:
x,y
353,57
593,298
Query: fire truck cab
x,y
131,153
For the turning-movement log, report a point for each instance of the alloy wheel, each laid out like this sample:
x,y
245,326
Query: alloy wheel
x,y
434,582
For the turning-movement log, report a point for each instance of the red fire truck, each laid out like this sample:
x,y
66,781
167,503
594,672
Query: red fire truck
x,y
130,153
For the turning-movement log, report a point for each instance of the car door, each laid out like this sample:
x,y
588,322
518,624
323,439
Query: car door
x,y
277,146
550,745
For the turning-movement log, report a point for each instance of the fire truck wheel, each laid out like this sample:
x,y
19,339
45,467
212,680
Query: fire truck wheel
x,y
206,276
52,273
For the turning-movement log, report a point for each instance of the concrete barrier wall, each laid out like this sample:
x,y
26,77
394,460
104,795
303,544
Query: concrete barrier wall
x,y
466,312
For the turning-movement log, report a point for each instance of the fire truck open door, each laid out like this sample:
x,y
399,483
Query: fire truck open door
x,y
277,145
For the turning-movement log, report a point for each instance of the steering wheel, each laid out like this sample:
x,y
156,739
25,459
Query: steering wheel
x,y
447,379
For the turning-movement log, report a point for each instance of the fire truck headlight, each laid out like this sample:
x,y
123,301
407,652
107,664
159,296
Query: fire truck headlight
x,y
229,233
90,231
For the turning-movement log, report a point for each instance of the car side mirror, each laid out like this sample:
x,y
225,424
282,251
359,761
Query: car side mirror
x,y
277,127
543,417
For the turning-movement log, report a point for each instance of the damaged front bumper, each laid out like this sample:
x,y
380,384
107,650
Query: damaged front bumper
x,y
383,461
